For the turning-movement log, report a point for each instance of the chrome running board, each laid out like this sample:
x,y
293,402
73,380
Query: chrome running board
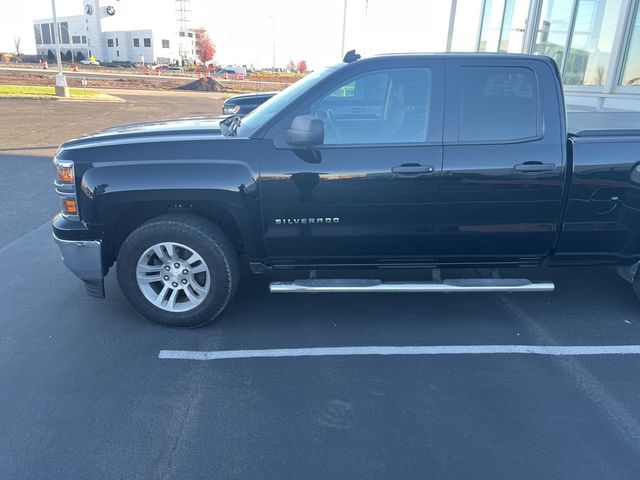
x,y
444,286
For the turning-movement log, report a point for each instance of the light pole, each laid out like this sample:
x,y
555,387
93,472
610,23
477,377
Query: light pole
x,y
344,27
62,90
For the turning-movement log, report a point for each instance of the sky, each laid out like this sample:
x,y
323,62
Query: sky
x,y
243,30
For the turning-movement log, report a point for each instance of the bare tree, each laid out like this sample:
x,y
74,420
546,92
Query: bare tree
x,y
600,75
16,43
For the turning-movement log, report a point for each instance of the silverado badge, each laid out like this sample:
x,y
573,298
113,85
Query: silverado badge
x,y
306,221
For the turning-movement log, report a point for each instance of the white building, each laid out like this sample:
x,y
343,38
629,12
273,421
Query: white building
x,y
166,36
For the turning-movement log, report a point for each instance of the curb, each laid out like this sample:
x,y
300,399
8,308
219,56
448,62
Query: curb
x,y
58,99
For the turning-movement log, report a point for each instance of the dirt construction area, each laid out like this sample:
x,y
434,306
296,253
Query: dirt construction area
x,y
138,81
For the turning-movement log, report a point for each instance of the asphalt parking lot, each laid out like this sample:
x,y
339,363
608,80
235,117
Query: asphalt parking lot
x,y
84,394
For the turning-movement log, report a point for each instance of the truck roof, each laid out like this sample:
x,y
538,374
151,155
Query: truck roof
x,y
353,58
458,55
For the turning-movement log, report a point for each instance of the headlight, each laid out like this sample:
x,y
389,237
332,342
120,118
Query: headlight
x,y
64,172
66,188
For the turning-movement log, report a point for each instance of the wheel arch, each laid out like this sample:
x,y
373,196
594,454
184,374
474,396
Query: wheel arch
x,y
123,218
118,198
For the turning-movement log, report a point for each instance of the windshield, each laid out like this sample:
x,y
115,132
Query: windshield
x,y
277,103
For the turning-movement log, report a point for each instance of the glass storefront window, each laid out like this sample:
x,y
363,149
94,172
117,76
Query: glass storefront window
x,y
591,42
465,34
503,26
491,22
631,68
513,26
553,30
583,31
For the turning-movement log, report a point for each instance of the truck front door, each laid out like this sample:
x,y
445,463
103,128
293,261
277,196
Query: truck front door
x,y
504,157
369,193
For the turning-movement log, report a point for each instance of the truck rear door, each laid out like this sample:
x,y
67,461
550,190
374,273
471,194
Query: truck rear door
x,y
504,157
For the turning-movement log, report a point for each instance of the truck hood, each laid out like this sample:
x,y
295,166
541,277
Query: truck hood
x,y
148,131
252,96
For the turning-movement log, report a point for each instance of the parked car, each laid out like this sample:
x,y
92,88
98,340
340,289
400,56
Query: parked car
x,y
243,104
88,62
354,166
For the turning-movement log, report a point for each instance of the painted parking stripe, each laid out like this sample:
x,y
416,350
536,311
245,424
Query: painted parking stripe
x,y
403,350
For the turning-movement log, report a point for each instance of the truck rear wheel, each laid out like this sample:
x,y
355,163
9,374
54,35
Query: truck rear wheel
x,y
178,270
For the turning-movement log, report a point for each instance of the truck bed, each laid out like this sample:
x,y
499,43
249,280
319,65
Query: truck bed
x,y
603,207
591,124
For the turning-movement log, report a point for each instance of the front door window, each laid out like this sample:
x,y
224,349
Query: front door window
x,y
383,107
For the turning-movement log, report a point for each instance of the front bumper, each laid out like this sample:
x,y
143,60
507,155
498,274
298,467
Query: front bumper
x,y
84,259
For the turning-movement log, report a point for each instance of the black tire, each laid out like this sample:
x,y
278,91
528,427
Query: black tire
x,y
203,237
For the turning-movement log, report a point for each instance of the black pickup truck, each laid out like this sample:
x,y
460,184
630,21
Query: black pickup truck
x,y
389,162
243,104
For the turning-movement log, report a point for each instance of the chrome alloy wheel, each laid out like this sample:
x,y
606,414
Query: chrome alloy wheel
x,y
173,277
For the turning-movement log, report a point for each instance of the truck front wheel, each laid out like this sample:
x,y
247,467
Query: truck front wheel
x,y
178,270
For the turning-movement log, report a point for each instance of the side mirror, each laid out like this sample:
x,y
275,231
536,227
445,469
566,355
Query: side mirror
x,y
306,131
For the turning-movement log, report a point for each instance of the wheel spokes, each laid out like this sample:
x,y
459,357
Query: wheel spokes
x,y
166,269
199,269
171,303
200,291
149,268
149,278
159,300
161,253
193,259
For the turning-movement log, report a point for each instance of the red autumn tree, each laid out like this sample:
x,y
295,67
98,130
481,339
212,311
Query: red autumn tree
x,y
302,66
205,48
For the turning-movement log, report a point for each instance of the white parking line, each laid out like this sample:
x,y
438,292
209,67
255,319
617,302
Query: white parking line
x,y
403,350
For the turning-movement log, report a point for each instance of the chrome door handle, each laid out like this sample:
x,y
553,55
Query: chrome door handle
x,y
535,167
413,169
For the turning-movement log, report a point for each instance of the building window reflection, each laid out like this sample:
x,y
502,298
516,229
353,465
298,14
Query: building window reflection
x,y
491,22
595,43
579,35
553,29
503,26
631,68
591,42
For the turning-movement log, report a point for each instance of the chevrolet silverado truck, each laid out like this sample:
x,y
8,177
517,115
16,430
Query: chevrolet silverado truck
x,y
390,162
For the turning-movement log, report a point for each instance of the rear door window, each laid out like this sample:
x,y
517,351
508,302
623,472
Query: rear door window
x,y
497,104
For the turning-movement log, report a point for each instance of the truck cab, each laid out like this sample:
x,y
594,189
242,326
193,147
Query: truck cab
x,y
417,176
